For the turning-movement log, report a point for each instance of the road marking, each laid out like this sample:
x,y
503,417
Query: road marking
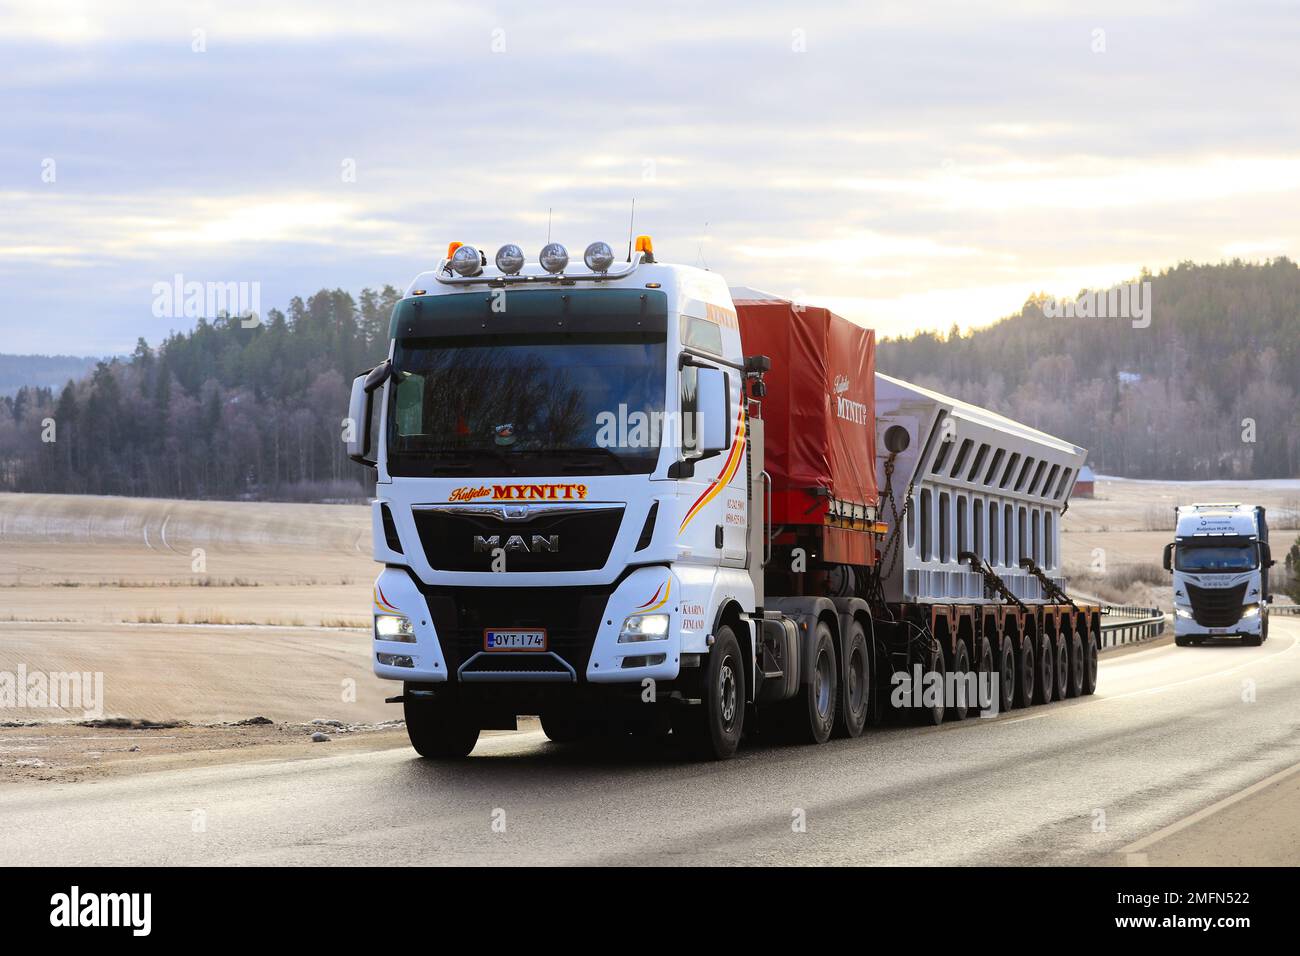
x,y
1199,815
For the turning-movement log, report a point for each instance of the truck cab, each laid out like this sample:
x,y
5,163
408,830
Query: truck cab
x,y
1219,560
562,498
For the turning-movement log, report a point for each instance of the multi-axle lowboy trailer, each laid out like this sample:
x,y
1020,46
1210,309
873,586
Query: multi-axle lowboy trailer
x,y
630,500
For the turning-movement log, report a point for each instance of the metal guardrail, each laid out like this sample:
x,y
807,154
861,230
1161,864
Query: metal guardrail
x,y
1148,622
1144,623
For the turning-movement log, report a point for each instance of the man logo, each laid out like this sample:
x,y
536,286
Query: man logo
x,y
539,543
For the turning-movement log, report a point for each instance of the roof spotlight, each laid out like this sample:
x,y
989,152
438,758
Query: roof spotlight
x,y
554,257
598,257
510,259
466,262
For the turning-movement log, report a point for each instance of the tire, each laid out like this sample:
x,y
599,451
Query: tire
x,y
1263,629
1182,640
437,728
960,668
1076,664
985,668
1045,688
1062,659
1007,675
933,716
1252,640
561,729
812,712
1090,658
855,685
1025,673
712,729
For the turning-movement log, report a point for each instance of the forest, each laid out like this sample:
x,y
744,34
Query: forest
x,y
221,411
1206,390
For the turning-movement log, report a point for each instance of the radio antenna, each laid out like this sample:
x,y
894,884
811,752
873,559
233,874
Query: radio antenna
x,y
630,220
549,210
699,255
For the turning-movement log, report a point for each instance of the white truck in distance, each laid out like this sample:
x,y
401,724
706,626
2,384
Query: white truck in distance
x,y
1219,559
630,500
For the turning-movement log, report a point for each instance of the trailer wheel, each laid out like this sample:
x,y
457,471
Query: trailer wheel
x,y
855,685
812,712
1076,664
933,716
1007,675
712,729
960,668
1046,686
438,729
1090,653
1025,673
985,672
1061,657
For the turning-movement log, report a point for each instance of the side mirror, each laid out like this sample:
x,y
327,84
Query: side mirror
x,y
1169,558
1266,555
714,398
357,426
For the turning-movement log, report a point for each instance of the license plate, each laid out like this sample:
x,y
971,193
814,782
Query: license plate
x,y
514,639
1218,630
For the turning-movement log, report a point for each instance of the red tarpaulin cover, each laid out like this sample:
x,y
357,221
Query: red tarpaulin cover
x,y
820,409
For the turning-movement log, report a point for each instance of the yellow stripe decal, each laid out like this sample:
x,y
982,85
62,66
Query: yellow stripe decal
x,y
729,468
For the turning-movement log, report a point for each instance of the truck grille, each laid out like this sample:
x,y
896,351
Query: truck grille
x,y
578,540
1216,607
570,615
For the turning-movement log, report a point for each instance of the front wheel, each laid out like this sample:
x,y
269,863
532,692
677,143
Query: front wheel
x,y
438,729
713,727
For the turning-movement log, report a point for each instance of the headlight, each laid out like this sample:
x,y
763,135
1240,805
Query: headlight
x,y
394,627
1183,612
1250,610
644,627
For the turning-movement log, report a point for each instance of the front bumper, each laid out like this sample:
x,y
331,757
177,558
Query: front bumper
x,y
1243,627
582,625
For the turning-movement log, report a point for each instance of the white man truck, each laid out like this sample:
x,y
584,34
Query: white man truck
x,y
628,500
1219,560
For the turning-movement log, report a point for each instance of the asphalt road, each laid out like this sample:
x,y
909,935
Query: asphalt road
x,y
1123,777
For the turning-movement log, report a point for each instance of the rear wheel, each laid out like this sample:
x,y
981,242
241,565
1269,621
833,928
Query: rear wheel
x,y
812,712
1025,673
855,685
1076,664
437,728
1007,675
712,728
960,668
1090,655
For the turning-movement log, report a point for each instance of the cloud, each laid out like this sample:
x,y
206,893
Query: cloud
x,y
915,167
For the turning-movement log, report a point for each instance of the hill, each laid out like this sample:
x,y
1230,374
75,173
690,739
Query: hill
x,y
1206,390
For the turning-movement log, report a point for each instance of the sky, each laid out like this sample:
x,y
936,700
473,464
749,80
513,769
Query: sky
x,y
911,165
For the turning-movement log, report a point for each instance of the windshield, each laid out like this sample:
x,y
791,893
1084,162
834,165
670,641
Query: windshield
x,y
1215,558
526,405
